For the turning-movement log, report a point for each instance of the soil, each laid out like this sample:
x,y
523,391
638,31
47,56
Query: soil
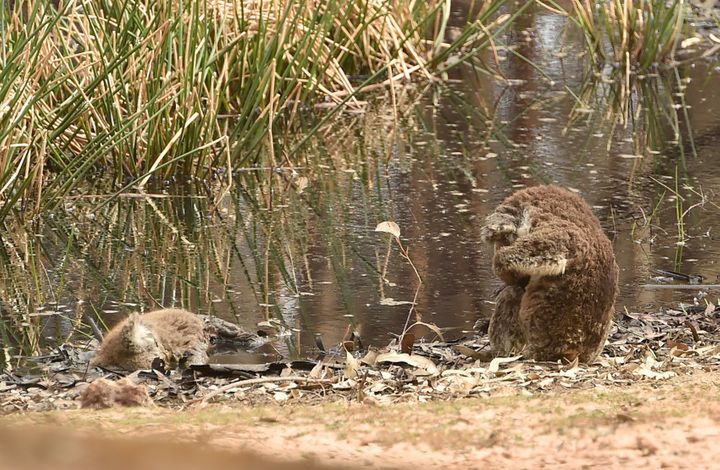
x,y
670,423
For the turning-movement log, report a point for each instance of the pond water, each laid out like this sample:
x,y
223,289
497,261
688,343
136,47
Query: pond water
x,y
306,255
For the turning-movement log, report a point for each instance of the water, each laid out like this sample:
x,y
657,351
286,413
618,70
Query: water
x,y
311,261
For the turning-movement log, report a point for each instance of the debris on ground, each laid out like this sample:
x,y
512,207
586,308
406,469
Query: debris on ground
x,y
647,346
103,393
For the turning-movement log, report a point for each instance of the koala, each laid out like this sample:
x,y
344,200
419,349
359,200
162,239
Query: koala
x,y
559,272
170,334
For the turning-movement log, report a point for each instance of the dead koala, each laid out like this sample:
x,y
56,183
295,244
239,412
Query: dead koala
x,y
175,336
560,274
169,334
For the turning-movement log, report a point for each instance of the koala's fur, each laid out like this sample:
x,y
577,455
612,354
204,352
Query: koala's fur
x,y
170,334
103,393
560,274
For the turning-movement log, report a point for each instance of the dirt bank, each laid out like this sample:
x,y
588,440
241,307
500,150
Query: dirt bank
x,y
673,424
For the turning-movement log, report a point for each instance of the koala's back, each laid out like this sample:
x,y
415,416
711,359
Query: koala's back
x,y
179,331
564,265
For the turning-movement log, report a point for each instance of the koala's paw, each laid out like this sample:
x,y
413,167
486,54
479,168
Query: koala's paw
x,y
499,228
539,265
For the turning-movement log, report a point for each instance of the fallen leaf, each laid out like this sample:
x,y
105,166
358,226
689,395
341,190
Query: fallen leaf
x,y
419,329
693,330
351,366
301,183
319,342
347,384
495,363
414,360
316,371
544,383
370,358
646,370
406,343
710,308
677,345
389,301
465,351
690,42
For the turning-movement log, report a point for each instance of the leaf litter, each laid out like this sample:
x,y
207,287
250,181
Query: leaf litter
x,y
644,346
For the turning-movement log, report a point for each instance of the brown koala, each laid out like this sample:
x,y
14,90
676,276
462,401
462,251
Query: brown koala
x,y
170,334
560,275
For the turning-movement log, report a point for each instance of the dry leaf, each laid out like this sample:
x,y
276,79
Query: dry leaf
x,y
370,358
677,345
389,227
646,369
420,329
301,183
467,351
351,366
690,42
495,363
414,360
406,343
316,371
389,301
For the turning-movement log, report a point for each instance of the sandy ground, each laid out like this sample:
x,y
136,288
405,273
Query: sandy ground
x,y
669,424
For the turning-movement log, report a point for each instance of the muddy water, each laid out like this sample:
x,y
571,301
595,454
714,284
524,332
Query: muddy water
x,y
311,261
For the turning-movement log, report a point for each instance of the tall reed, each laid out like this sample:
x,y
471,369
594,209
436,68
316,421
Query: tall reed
x,y
143,89
631,34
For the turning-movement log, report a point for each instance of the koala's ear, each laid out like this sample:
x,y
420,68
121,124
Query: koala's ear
x,y
133,333
132,323
485,234
500,228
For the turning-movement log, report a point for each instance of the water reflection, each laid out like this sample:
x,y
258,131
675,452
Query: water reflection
x,y
306,255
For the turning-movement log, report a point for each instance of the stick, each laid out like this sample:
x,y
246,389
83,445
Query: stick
x,y
242,383
681,286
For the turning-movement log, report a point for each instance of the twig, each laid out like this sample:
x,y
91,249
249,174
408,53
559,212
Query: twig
x,y
262,380
680,286
405,254
693,330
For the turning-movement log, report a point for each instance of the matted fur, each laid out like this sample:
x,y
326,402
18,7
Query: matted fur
x,y
560,272
104,393
169,334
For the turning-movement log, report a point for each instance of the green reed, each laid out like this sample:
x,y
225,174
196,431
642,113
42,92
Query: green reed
x,y
243,254
628,34
138,90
